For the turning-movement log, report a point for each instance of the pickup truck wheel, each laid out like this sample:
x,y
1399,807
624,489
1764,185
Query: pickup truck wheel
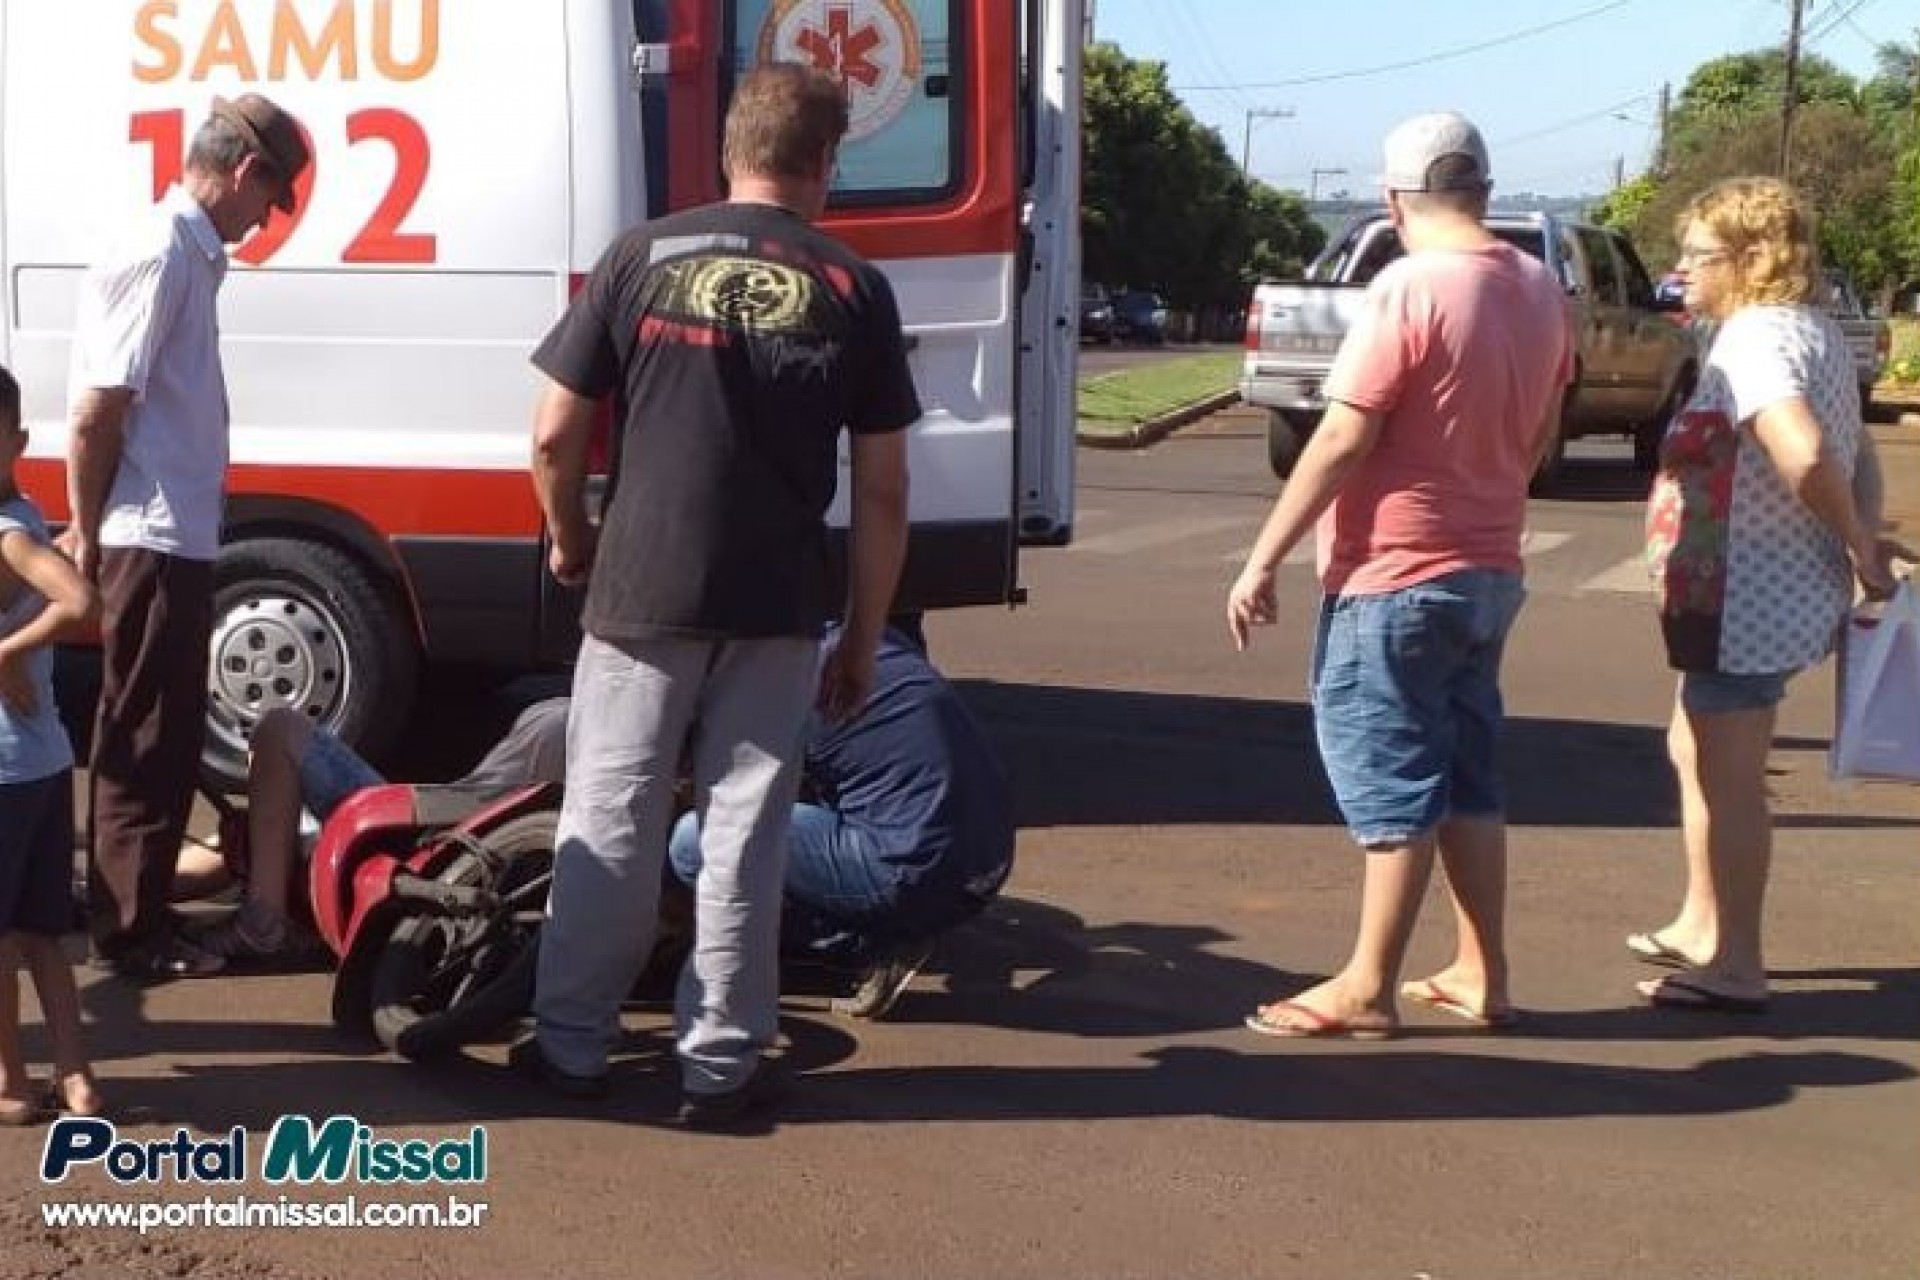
x,y
1648,435
303,625
1553,467
1285,438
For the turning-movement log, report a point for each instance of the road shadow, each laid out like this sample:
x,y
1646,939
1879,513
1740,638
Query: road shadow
x,y
1386,1085
1104,757
1030,967
380,1090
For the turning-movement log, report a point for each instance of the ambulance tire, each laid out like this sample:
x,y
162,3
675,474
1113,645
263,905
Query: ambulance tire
x,y
304,625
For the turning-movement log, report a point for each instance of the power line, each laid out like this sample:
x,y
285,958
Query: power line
x,y
1839,12
1411,63
1204,47
1500,144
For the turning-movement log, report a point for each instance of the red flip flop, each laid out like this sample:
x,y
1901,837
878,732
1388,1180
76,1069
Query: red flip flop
x,y
1302,1023
1430,993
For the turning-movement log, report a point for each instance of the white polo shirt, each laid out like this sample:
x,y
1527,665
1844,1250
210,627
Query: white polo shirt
x,y
148,321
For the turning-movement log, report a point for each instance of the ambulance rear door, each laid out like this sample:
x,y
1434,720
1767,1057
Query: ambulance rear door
x,y
930,188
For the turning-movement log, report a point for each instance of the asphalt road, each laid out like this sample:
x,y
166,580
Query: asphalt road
x,y
1068,1091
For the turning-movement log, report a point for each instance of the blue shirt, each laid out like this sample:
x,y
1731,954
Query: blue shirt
x,y
31,747
915,773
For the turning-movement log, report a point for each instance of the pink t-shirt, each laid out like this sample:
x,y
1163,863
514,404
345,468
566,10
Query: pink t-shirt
x,y
1463,351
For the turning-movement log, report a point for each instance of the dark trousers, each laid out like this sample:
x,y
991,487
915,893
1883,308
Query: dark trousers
x,y
157,620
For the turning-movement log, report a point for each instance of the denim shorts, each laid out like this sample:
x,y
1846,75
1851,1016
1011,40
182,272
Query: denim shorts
x,y
1406,702
329,773
1708,693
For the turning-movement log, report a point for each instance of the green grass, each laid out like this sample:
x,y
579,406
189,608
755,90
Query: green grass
x,y
1906,347
1115,403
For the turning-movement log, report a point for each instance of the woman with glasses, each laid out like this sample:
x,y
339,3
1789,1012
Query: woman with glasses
x,y
1765,511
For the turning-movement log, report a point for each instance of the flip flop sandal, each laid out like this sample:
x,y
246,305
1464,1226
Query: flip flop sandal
x,y
1685,993
1430,993
1648,948
1310,1024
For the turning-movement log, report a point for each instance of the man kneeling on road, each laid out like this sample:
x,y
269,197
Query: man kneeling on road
x,y
908,832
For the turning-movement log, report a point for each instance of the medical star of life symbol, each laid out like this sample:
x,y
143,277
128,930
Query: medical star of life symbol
x,y
840,49
870,46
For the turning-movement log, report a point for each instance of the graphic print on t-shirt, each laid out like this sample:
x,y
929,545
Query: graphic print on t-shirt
x,y
1688,522
708,291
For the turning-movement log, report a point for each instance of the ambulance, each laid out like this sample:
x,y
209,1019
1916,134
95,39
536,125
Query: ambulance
x,y
472,158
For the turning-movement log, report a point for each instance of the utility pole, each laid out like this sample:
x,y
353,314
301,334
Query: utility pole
x,y
1666,117
1246,144
1088,36
1313,181
1619,172
1790,98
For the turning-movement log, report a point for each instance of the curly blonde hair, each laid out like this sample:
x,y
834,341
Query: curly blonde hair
x,y
1771,234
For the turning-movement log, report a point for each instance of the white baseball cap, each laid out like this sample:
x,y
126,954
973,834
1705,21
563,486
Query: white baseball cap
x,y
1417,145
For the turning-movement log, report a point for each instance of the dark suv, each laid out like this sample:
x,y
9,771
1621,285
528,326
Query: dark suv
x,y
1139,316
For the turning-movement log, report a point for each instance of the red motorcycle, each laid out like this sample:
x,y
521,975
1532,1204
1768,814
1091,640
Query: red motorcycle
x,y
430,898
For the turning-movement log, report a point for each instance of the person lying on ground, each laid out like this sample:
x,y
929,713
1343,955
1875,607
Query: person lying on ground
x,y
297,775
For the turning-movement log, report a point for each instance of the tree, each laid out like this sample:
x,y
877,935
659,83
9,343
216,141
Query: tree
x,y
1623,207
1163,205
1852,157
1285,235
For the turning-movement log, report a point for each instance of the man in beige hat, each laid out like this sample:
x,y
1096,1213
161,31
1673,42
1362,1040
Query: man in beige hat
x,y
1440,403
146,473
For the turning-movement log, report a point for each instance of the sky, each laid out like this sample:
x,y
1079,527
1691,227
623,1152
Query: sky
x,y
1559,106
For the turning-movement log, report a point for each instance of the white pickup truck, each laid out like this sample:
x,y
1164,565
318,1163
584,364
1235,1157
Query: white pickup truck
x,y
1634,367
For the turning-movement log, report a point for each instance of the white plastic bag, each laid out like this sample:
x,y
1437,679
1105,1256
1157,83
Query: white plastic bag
x,y
1877,722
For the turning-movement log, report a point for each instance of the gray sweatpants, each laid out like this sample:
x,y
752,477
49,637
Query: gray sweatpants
x,y
742,706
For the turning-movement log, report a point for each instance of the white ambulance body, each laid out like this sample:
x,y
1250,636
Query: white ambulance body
x,y
472,160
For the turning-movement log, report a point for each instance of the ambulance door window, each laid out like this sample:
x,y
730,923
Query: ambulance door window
x,y
897,58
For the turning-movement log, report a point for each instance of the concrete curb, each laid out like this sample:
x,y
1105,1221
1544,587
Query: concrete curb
x,y
1154,430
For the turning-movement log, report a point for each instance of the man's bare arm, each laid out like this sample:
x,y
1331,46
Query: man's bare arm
x,y
562,432
97,440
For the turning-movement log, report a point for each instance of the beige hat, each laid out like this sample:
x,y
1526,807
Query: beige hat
x,y
274,135
1415,146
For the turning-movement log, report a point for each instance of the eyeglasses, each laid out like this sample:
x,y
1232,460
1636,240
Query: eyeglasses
x,y
1701,257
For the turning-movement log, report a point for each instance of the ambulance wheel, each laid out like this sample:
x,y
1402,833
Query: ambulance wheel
x,y
446,980
303,625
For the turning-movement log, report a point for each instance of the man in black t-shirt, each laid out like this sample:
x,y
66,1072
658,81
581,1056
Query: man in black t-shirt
x,y
741,341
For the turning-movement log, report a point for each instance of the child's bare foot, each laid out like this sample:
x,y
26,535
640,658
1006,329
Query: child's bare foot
x,y
76,1093
16,1112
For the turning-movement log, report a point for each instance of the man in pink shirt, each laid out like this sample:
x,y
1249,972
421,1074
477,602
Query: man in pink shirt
x,y
1441,402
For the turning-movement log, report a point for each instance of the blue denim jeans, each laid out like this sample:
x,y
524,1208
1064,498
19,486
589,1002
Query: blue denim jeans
x,y
1406,702
330,771
843,901
1710,693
